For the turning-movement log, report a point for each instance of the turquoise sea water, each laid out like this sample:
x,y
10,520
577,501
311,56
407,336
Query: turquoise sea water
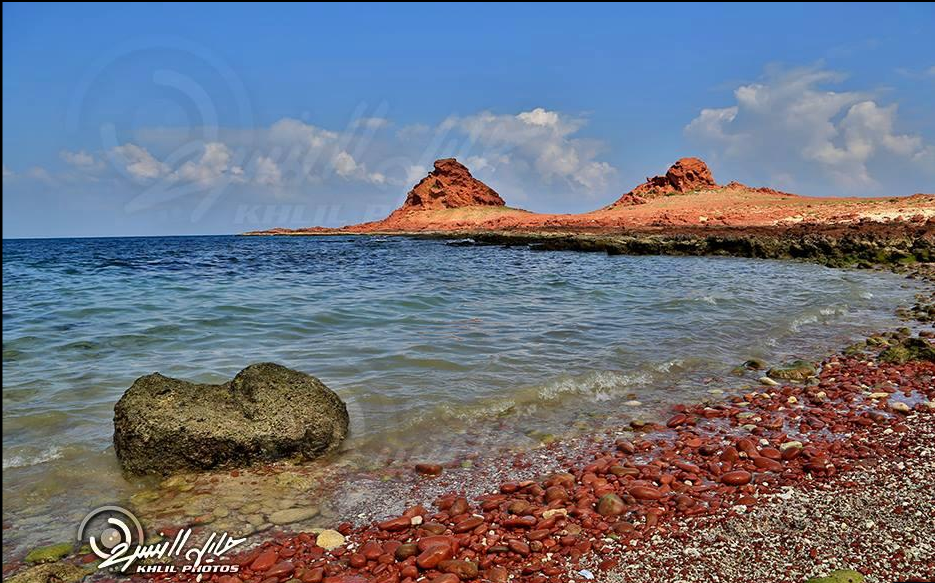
x,y
438,350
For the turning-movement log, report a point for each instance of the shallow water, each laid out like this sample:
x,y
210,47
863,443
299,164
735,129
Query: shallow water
x,y
440,352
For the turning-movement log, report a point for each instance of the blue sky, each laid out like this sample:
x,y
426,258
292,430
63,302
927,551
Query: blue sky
x,y
146,119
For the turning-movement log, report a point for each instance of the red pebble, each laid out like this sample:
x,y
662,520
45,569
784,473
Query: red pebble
x,y
737,478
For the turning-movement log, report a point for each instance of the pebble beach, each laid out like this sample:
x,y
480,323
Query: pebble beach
x,y
799,479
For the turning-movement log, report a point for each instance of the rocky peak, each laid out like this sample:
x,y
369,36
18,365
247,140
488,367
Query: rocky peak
x,y
450,185
685,175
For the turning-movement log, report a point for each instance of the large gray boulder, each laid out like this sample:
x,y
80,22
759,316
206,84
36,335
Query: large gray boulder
x,y
267,412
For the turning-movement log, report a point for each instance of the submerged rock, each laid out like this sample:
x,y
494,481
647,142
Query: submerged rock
x,y
797,370
909,349
839,576
50,553
50,573
267,412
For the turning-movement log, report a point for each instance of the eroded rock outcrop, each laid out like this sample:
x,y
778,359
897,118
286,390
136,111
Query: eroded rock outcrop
x,y
450,185
267,412
685,175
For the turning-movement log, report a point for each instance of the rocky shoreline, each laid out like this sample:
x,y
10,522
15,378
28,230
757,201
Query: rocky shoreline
x,y
792,480
861,246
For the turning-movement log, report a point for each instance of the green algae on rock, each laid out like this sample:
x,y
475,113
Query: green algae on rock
x,y
49,553
49,573
267,412
839,576
909,349
797,370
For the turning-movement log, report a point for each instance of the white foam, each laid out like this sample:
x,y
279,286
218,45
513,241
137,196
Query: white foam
x,y
24,461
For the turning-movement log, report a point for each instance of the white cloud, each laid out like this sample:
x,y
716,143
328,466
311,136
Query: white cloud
x,y
536,149
266,172
40,174
415,173
344,164
539,139
291,131
80,159
7,173
138,162
347,167
539,117
213,168
373,123
791,118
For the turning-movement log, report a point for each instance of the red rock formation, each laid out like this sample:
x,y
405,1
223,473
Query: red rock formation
x,y
684,176
450,185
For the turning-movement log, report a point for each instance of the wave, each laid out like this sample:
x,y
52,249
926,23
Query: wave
x,y
24,461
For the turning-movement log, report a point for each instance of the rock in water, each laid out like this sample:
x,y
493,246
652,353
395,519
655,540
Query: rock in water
x,y
797,370
267,412
450,185
686,175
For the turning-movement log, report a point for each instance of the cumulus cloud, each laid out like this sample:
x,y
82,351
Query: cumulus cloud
x,y
40,174
266,172
137,162
80,159
373,123
214,167
347,167
791,118
344,164
539,150
540,139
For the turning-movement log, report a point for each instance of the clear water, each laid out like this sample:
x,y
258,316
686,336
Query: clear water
x,y
438,350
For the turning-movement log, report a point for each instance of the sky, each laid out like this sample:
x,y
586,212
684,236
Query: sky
x,y
156,119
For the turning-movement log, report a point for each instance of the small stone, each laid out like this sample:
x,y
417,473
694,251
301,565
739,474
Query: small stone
x,y
755,364
290,515
281,569
901,407
265,560
645,493
737,478
790,445
767,381
792,400
428,469
610,505
329,539
463,569
879,395
404,551
554,512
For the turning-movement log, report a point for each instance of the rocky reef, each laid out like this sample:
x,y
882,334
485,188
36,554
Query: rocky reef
x,y
267,412
853,246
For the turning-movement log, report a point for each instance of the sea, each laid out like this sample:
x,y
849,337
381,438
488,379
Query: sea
x,y
441,352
